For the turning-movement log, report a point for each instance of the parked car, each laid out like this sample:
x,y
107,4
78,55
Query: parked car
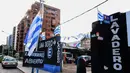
x,y
68,57
8,61
86,58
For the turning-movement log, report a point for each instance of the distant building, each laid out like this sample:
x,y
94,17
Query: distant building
x,y
7,40
14,37
4,47
10,41
20,37
51,19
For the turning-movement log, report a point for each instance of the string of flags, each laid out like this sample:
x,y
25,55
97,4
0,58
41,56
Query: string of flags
x,y
57,30
78,44
75,44
77,37
101,17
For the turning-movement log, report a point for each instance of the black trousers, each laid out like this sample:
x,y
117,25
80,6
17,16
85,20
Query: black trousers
x,y
81,66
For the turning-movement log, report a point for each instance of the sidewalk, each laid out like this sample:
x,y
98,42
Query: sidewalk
x,y
71,68
67,68
28,69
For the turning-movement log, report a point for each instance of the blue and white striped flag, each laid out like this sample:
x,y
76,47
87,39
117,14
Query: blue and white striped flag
x,y
43,36
100,16
103,17
78,45
32,36
57,30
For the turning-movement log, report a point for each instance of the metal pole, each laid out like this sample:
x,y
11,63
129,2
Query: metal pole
x,y
18,54
11,51
2,49
8,50
42,7
41,12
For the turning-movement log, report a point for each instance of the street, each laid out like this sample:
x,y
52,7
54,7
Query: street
x,y
71,68
9,70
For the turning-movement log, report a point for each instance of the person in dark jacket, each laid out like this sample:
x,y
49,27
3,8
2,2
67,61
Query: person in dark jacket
x,y
81,66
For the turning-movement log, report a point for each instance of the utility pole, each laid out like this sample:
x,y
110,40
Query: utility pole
x,y
41,13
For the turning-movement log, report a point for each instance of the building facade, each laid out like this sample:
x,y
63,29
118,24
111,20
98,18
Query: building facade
x,y
51,18
10,40
14,37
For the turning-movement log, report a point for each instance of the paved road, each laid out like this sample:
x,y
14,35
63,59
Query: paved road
x,y
9,70
71,68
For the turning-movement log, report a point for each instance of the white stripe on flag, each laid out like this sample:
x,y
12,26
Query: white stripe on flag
x,y
33,26
57,30
100,16
32,36
32,49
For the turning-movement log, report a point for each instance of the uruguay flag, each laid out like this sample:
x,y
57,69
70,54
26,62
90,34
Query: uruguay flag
x,y
106,19
103,17
57,30
43,36
32,36
100,16
78,44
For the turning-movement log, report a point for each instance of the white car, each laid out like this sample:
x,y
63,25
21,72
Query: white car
x,y
8,61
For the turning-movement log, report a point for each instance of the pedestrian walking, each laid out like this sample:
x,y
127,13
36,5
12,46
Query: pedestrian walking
x,y
81,66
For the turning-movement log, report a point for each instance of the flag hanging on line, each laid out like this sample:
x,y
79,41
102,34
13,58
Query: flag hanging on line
x,y
106,19
42,35
64,38
74,37
77,44
32,35
68,38
100,16
103,17
57,30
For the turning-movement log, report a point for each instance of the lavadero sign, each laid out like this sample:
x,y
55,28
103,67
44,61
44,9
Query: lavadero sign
x,y
111,54
35,60
115,43
52,49
120,52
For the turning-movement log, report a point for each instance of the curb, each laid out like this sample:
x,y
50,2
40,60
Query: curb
x,y
20,69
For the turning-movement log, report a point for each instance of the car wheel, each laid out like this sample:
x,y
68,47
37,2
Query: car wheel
x,y
3,66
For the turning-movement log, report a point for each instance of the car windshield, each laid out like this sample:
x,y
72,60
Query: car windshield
x,y
9,59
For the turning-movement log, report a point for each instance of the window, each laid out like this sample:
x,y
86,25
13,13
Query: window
x,y
48,34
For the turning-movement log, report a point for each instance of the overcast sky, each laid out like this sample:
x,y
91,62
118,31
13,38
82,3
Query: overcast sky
x,y
12,11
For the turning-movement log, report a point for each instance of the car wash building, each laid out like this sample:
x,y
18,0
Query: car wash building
x,y
110,42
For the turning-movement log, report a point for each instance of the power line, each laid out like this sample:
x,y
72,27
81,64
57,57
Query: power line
x,y
84,12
